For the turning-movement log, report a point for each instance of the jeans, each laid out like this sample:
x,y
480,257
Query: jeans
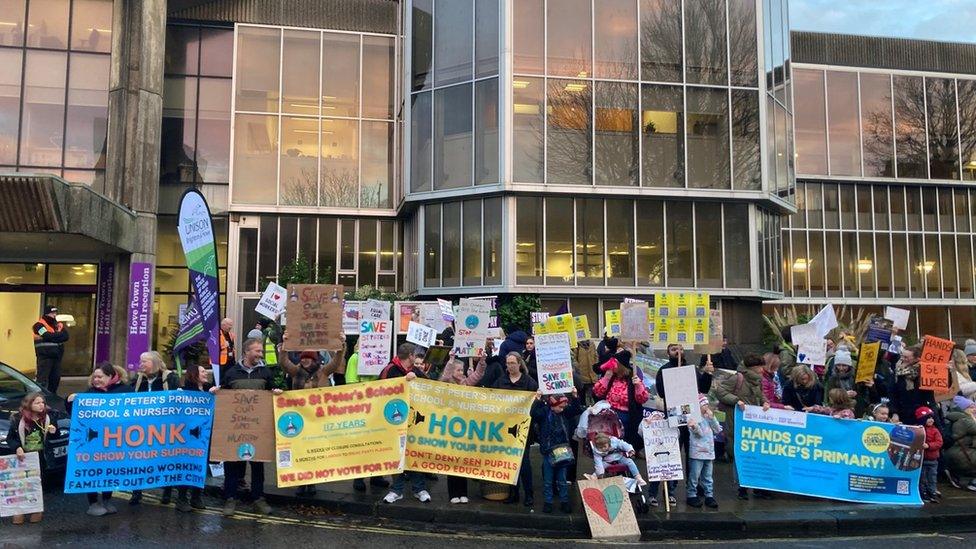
x,y
417,482
234,472
699,470
93,497
930,474
550,471
653,487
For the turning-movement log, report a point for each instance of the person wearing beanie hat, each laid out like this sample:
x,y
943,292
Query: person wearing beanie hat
x,y
970,349
554,416
960,458
930,458
842,376
626,394
962,402
701,454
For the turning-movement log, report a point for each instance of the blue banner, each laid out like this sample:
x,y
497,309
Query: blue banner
x,y
138,441
815,455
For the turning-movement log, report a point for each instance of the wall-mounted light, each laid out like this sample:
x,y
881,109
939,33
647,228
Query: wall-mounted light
x,y
864,265
800,265
926,267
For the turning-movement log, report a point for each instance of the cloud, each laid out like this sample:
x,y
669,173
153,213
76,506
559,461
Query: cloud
x,y
943,20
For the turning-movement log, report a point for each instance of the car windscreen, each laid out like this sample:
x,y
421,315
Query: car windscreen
x,y
14,385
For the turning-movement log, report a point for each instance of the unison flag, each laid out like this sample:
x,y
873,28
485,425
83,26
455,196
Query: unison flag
x,y
197,236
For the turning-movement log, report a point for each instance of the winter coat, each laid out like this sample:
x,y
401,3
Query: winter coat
x,y
514,343
905,401
802,397
839,380
722,359
961,456
494,370
31,433
530,364
164,381
259,378
49,337
701,439
554,429
615,454
618,393
524,383
749,390
704,379
586,357
769,389
787,362
934,439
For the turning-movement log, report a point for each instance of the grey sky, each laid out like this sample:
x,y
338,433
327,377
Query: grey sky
x,y
944,20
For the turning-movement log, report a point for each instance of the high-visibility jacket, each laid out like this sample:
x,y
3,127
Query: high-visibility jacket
x,y
270,352
49,340
225,344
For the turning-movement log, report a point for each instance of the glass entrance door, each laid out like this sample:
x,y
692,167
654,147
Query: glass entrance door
x,y
79,349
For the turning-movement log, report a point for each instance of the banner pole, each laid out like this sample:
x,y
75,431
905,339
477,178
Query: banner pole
x,y
667,498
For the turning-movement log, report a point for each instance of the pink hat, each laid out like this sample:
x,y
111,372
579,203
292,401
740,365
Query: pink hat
x,y
702,400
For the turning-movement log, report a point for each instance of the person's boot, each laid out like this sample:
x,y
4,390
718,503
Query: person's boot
x,y
262,506
36,517
19,519
230,507
182,503
196,501
167,496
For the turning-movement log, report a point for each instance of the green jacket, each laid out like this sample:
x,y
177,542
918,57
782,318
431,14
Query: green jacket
x,y
745,385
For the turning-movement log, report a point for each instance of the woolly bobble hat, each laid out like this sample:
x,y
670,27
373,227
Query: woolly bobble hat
x,y
970,347
962,402
702,400
843,356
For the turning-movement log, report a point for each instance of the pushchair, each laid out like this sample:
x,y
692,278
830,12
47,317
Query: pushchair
x,y
601,418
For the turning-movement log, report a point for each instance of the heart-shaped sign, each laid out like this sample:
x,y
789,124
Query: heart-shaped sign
x,y
606,503
801,358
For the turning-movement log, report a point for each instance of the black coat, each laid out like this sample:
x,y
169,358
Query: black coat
x,y
167,382
555,429
801,397
703,379
524,383
722,359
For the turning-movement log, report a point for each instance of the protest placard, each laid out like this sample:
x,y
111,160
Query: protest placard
x,y
243,427
272,302
447,310
715,334
936,349
316,315
563,323
554,363
825,320
431,316
20,485
540,328
539,316
350,317
404,313
608,509
898,317
867,361
419,334
471,331
582,327
681,395
661,450
138,441
375,345
934,376
633,322
811,348
340,433
859,461
374,309
467,431
611,321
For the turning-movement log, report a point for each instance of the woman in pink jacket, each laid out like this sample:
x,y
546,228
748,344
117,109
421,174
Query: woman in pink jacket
x,y
456,372
625,392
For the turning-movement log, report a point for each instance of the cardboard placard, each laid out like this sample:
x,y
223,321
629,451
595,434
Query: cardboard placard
x,y
554,363
867,361
935,349
471,331
375,344
811,347
681,395
272,302
633,322
661,450
934,376
374,309
608,509
898,317
419,334
316,314
243,426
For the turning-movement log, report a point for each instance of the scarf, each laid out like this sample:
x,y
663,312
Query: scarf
x,y
908,371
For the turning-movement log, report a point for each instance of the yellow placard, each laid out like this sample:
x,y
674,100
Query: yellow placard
x,y
539,328
682,304
699,331
663,304
582,327
563,323
341,433
467,431
611,319
700,305
867,361
663,334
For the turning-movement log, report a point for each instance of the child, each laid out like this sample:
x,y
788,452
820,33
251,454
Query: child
x,y
930,460
654,487
882,414
608,450
29,428
839,405
701,454
554,415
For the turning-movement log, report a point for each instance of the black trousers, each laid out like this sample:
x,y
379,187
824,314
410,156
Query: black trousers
x,y
49,373
234,472
457,487
93,497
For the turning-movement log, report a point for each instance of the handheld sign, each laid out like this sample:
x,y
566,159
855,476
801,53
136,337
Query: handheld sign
x,y
243,427
419,334
554,363
316,313
936,349
375,342
681,395
867,361
898,317
608,509
20,485
272,302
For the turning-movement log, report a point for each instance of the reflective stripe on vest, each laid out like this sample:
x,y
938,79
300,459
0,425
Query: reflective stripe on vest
x,y
37,338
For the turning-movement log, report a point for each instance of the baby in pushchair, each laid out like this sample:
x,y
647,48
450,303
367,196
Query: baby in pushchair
x,y
600,430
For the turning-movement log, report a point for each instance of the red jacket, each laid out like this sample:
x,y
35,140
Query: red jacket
x,y
934,439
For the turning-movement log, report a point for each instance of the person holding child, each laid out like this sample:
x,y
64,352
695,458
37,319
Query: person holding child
x,y
701,455
554,416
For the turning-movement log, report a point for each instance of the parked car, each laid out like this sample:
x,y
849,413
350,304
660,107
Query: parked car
x,y
14,386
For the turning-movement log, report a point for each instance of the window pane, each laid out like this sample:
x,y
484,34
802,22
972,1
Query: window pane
x,y
850,257
943,134
967,124
876,125
815,265
706,61
248,260
492,224
679,248
880,207
486,38
528,240
662,123
782,171
650,243
831,206
949,265
452,137
863,205
900,264
945,209
620,242
377,183
347,243
255,162
799,219
327,250
388,245
306,239
708,139
708,247
258,57
340,74
568,36
268,250
568,146
960,204
932,267
527,131
182,50
452,42
814,205
420,142
913,209
834,262
299,161
432,245
617,140
486,132
91,25
910,126
340,163
745,140
287,241
472,242
771,159
897,208
11,69
217,52
87,122
213,141
43,118
811,129
615,39
47,25
798,262
378,81
12,22
743,51
844,134
367,252
589,242
847,203
918,265
559,241
882,265
965,259
422,43
660,38
737,261
300,76
528,29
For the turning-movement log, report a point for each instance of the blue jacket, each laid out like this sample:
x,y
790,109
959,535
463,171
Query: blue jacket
x,y
555,429
514,342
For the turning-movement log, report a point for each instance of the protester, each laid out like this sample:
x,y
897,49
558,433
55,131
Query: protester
x,y
249,373
745,387
625,392
802,390
722,359
930,461
839,405
960,458
308,371
605,350
455,371
227,354
701,454
608,450
771,387
29,429
906,397
104,379
528,355
515,342
555,415
516,378
352,375
960,366
153,376
49,339
881,413
496,364
787,355
196,378
676,358
970,351
585,356
654,487
842,375
403,365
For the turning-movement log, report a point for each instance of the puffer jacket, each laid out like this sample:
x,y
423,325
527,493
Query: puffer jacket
x,y
961,456
515,342
585,356
730,391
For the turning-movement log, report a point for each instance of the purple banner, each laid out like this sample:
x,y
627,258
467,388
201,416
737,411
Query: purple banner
x,y
103,311
140,307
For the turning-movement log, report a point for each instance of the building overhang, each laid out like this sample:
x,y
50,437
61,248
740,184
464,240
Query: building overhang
x,y
45,217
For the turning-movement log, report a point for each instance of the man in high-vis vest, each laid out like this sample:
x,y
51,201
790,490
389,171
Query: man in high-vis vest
x,y
49,339
227,355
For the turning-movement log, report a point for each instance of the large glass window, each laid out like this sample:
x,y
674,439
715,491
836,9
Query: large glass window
x,y
486,123
590,257
471,246
568,38
910,137
708,250
876,125
660,40
662,126
86,125
486,38
811,126
615,39
255,162
528,240
617,140
706,60
737,261
559,241
529,34
815,264
492,226
378,165
452,137
743,51
708,138
340,55
650,243
299,80
844,129
964,253
967,126
43,111
568,144
420,142
745,140
422,43
11,63
882,265
528,127
453,33
620,242
432,245
299,160
339,184
451,247
258,61
943,131
680,244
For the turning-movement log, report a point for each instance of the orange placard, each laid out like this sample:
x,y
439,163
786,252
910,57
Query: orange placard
x,y
937,350
934,376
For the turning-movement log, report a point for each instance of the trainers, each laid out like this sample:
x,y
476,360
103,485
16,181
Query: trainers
x,y
392,497
565,508
547,507
711,503
672,501
653,502
455,500
971,486
423,496
96,510
694,502
359,485
262,506
230,507
109,508
464,499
